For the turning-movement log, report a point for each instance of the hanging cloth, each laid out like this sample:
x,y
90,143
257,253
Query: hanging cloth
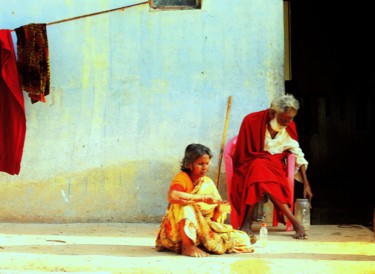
x,y
12,109
33,60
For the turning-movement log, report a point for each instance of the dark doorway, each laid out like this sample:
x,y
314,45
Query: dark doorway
x,y
332,76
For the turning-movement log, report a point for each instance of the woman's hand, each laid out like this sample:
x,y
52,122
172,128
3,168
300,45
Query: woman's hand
x,y
210,199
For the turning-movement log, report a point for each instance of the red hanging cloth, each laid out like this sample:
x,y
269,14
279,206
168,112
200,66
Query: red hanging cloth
x,y
12,109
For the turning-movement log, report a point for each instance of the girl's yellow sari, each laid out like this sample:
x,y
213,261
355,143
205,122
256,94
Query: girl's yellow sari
x,y
214,236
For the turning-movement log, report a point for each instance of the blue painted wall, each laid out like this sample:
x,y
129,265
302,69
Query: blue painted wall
x,y
129,90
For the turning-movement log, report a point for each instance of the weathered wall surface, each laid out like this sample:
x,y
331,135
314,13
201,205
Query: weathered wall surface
x,y
129,90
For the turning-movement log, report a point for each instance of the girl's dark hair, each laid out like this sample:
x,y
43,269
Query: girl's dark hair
x,y
192,153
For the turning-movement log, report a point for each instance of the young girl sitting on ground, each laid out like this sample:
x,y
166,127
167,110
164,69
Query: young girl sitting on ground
x,y
194,222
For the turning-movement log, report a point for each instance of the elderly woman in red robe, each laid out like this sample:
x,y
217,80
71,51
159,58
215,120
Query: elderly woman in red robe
x,y
264,140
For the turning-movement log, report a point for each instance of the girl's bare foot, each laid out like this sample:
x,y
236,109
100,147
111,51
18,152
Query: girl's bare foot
x,y
193,251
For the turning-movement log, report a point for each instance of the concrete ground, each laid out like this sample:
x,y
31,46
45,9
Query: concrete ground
x,y
129,248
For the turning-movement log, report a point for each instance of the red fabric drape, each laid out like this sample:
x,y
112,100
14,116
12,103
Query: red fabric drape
x,y
12,109
256,171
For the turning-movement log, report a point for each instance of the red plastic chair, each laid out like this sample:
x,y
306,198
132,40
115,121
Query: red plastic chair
x,y
228,152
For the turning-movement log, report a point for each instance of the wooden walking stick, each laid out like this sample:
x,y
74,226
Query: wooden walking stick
x,y
223,139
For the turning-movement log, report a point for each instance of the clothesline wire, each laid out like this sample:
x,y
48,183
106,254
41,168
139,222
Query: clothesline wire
x,y
93,14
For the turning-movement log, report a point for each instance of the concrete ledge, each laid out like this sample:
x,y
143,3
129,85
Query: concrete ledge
x,y
129,248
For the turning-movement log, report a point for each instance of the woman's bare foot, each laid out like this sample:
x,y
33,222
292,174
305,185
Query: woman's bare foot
x,y
300,233
193,251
